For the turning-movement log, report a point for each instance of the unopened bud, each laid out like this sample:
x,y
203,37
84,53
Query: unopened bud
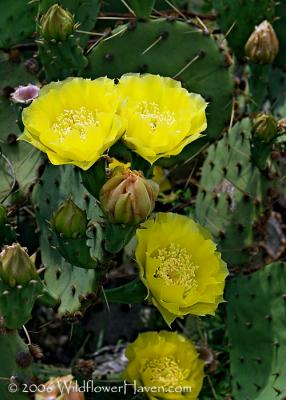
x,y
265,127
16,267
127,197
262,46
57,23
69,220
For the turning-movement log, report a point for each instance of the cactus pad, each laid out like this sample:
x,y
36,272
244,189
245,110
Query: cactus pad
x,y
61,59
238,19
13,350
67,283
279,26
16,303
24,160
17,21
229,202
256,321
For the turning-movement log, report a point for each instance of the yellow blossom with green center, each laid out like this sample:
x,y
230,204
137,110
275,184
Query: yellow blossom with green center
x,y
162,117
180,266
74,121
166,364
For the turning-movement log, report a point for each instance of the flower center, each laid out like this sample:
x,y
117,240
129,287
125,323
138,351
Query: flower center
x,y
176,267
74,119
164,371
151,111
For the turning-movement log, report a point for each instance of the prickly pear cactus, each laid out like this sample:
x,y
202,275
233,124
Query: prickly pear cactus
x,y
69,285
61,59
142,9
19,166
123,7
181,207
239,18
256,319
65,58
147,46
278,25
16,303
7,233
15,367
20,286
231,193
17,21
59,46
85,13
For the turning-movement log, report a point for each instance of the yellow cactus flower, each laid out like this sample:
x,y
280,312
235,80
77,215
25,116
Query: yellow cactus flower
x,y
162,117
179,265
74,121
160,177
165,365
114,163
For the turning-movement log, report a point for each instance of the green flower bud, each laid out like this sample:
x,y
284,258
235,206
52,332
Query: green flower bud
x,y
16,267
127,197
262,46
57,23
265,127
69,220
3,216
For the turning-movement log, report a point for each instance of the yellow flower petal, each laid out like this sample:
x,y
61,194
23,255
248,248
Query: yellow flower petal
x,y
162,117
180,266
74,121
167,363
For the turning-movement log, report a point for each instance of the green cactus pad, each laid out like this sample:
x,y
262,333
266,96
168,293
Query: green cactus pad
x,y
17,21
130,293
259,76
256,321
238,19
61,59
65,58
12,349
229,201
69,284
76,252
279,27
141,8
16,303
148,46
7,235
117,6
24,161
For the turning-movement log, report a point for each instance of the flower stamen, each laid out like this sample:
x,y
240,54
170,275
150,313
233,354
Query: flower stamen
x,y
151,111
164,372
74,119
176,267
